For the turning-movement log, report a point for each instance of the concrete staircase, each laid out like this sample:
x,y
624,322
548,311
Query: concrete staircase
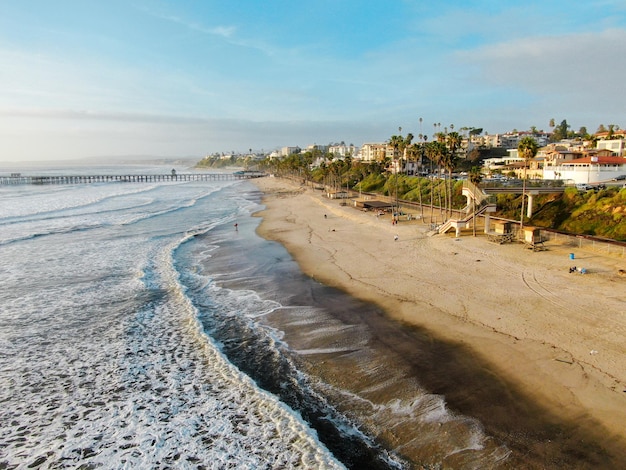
x,y
478,203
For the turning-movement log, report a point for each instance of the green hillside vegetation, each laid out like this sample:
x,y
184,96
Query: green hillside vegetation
x,y
216,161
600,213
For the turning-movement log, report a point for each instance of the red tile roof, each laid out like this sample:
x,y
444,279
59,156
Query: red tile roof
x,y
599,159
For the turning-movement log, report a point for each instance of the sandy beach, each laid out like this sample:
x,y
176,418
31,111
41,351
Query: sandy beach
x,y
536,345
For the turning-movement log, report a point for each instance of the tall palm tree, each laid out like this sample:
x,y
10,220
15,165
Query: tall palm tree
x,y
475,177
527,149
414,151
441,151
400,145
396,142
453,141
405,143
436,151
431,154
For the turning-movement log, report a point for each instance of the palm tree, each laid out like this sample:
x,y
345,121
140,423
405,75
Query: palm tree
x,y
453,141
405,143
447,163
431,154
396,142
474,177
436,152
527,149
414,151
400,145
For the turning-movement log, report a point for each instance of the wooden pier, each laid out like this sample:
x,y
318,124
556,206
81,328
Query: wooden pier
x,y
17,178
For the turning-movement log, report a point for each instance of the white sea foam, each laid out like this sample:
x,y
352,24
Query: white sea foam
x,y
105,363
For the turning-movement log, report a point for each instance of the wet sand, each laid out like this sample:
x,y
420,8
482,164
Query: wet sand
x,y
507,335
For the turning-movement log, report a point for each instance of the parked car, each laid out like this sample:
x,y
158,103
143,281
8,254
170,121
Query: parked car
x,y
583,187
619,178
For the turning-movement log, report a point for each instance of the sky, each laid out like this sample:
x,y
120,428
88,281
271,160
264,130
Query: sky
x,y
185,78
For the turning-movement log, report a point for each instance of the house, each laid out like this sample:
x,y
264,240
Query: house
x,y
372,152
342,150
617,147
503,164
510,140
592,168
286,151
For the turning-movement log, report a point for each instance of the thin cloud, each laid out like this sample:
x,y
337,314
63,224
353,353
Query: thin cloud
x,y
223,31
228,33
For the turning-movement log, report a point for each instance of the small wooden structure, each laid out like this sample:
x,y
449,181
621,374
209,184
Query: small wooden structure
x,y
341,194
501,233
369,204
532,239
502,227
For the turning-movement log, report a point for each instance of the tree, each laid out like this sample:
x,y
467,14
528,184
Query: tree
x,y
527,149
415,152
561,131
396,142
453,142
404,145
475,177
400,145
591,141
612,128
434,152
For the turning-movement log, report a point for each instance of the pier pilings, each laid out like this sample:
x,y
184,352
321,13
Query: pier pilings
x,y
17,178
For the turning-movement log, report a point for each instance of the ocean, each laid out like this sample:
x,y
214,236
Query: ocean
x,y
147,325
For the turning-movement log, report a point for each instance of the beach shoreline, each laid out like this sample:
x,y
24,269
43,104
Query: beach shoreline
x,y
555,337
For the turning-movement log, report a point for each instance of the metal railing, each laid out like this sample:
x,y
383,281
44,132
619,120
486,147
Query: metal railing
x,y
586,242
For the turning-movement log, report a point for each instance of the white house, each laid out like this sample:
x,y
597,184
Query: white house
x,y
286,151
371,152
589,169
342,150
616,146
510,140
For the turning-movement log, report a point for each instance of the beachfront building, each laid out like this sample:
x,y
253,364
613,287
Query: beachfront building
x,y
502,165
373,152
510,140
283,152
286,151
617,147
342,150
316,148
590,169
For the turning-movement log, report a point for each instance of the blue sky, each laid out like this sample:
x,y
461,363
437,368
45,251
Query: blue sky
x,y
84,78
